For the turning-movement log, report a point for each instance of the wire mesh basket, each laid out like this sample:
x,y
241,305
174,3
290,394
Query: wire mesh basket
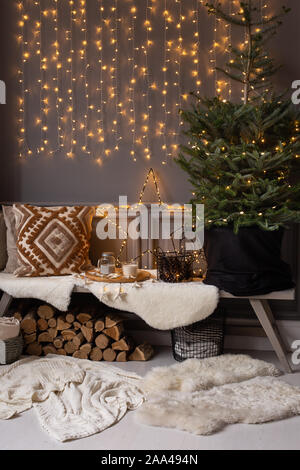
x,y
200,340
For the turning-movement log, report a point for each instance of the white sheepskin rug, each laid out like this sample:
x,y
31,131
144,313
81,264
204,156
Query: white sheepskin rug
x,y
160,304
202,396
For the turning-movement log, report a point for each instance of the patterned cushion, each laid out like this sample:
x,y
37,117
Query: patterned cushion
x,y
52,241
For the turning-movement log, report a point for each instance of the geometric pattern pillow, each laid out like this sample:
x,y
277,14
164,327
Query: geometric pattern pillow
x,y
52,241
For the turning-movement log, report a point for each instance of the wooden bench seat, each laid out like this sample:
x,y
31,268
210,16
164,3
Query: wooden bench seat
x,y
259,303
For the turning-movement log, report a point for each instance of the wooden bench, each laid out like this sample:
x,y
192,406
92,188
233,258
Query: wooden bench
x,y
262,309
259,303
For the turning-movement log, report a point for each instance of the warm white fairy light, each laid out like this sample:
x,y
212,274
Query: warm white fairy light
x,y
133,66
35,50
212,54
114,75
229,45
178,52
57,78
58,59
99,110
178,72
223,85
166,62
24,150
70,97
88,135
145,73
44,86
141,196
43,66
196,47
265,15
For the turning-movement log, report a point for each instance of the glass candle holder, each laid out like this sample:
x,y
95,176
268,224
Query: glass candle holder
x,y
107,263
130,269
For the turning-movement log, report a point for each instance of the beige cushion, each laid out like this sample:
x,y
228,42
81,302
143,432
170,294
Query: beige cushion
x,y
3,248
12,260
52,241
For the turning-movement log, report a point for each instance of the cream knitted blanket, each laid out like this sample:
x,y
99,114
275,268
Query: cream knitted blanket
x,y
72,398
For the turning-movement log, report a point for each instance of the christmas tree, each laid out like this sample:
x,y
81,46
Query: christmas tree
x,y
243,159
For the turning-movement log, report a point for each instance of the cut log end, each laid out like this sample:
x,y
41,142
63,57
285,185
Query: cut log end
x,y
61,352
70,348
42,324
45,337
46,312
109,355
96,354
102,341
29,339
29,324
88,333
86,348
122,356
143,352
83,318
49,350
68,334
34,349
58,342
78,340
99,326
112,320
80,355
124,344
62,324
115,332
70,318
52,323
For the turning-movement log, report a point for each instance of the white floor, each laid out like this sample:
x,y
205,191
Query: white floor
x,y
25,433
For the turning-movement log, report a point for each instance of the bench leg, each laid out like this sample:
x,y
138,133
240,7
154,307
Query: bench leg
x,y
5,302
265,316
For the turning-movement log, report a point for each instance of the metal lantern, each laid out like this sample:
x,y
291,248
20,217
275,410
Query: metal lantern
x,y
174,266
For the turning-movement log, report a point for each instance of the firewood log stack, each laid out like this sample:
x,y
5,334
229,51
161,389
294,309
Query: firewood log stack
x,y
80,335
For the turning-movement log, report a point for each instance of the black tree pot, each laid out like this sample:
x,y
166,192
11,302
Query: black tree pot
x,y
246,263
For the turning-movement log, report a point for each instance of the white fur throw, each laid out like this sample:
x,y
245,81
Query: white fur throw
x,y
254,401
56,291
163,306
73,398
202,397
194,375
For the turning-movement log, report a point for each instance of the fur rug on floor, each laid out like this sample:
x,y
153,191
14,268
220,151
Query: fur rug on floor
x,y
203,396
193,375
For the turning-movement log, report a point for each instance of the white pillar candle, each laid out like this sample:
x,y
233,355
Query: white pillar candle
x,y
130,269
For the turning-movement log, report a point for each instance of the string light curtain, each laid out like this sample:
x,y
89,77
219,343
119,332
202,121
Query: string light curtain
x,y
107,78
